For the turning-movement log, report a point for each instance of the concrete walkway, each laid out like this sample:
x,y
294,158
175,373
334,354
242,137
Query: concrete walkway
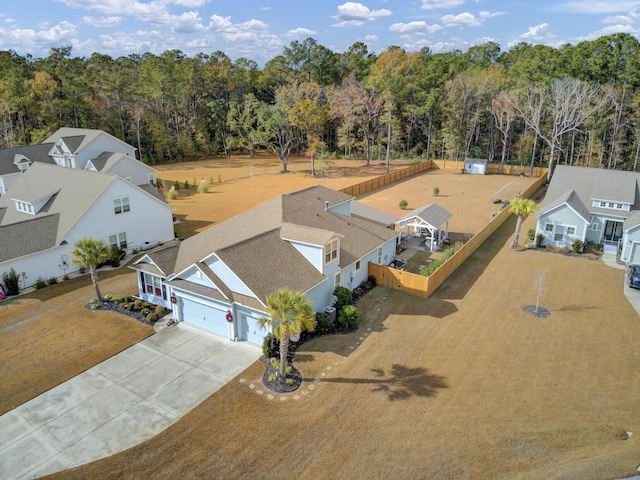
x,y
120,402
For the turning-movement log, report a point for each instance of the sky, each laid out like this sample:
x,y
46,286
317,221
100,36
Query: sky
x,y
259,29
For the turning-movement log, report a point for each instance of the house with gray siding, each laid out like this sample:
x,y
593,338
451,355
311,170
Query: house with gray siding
x,y
592,205
306,241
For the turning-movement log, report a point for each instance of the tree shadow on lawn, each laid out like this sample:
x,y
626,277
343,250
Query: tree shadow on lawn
x,y
401,383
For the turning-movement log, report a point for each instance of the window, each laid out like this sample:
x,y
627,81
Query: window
x,y
619,206
24,207
121,205
357,265
594,226
571,230
548,227
379,256
152,179
603,204
23,166
118,240
559,233
153,286
331,251
611,205
336,280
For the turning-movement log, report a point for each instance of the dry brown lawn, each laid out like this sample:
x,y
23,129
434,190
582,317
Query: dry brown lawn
x,y
464,385
48,336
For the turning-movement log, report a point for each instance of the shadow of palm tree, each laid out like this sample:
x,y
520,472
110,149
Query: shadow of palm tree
x,y
401,382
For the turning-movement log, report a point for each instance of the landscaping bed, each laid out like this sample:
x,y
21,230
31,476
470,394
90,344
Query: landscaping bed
x,y
142,311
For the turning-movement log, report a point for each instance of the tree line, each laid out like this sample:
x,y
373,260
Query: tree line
x,y
530,105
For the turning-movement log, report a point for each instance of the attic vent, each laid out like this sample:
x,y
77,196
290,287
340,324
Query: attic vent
x,y
326,206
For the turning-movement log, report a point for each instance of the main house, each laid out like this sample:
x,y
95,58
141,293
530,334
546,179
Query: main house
x,y
592,205
307,241
50,207
80,148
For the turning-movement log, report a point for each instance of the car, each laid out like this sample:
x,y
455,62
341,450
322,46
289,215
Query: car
x,y
634,276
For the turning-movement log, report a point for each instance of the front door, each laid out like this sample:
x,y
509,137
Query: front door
x,y
612,231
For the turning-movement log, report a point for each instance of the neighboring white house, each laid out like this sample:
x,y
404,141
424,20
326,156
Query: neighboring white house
x,y
596,205
49,208
307,241
75,148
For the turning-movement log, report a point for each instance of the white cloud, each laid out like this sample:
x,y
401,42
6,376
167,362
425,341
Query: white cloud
x,y
300,32
610,30
190,3
242,38
467,19
629,19
415,28
353,14
35,40
102,22
433,4
597,6
538,34
186,23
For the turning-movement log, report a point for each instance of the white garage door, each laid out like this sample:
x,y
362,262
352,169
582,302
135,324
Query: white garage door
x,y
250,330
204,316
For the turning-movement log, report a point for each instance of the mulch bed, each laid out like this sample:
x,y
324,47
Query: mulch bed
x,y
280,385
539,312
114,307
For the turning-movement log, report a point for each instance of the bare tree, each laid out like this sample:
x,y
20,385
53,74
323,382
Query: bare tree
x,y
539,287
504,112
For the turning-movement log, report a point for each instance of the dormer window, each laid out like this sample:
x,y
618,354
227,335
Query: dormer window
x,y
625,207
23,166
24,207
331,251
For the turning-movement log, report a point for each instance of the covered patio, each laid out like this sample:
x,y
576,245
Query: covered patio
x,y
425,227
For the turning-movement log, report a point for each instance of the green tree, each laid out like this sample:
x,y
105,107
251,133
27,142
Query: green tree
x,y
290,313
274,131
522,207
91,253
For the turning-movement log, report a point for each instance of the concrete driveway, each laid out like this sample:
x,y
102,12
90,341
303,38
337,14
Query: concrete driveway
x,y
120,402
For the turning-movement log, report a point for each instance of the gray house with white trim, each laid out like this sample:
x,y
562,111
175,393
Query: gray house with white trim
x,y
306,241
592,205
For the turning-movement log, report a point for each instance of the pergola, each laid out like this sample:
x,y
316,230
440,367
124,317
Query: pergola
x,y
430,222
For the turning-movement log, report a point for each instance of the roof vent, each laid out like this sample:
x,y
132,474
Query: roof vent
x,y
326,206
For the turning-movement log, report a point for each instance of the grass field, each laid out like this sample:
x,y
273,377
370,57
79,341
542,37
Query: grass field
x,y
464,385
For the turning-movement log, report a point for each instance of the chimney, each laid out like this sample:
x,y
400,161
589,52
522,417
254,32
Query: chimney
x,y
326,206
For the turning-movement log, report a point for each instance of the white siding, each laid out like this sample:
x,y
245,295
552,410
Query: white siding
x,y
313,253
229,278
137,171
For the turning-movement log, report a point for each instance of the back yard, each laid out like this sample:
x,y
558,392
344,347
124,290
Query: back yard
x,y
462,385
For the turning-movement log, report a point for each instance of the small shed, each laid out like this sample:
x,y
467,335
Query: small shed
x,y
430,222
475,165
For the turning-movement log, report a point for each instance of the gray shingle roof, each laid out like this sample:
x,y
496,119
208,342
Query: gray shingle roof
x,y
35,153
592,183
255,243
433,214
24,238
572,199
361,210
320,194
76,138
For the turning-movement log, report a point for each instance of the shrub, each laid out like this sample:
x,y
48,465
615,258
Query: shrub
x,y
11,282
211,180
186,185
137,303
271,346
122,306
539,240
273,377
40,283
130,306
343,297
288,369
144,312
219,178
446,255
289,381
531,234
172,194
403,204
52,281
348,316
194,181
116,254
577,246
159,310
203,187
147,305
372,280
436,191
324,324
94,306
117,298
151,317
176,185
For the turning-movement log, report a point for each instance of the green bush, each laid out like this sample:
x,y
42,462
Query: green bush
x,y
137,303
186,185
94,306
172,194
40,283
11,282
531,234
271,346
116,254
273,377
203,187
176,185
446,255
159,310
219,178
403,204
436,191
151,317
117,298
324,324
343,297
539,240
577,246
289,381
130,306
144,312
348,316
52,281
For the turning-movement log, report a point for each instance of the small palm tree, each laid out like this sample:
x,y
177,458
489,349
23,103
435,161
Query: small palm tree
x,y
290,313
90,253
522,207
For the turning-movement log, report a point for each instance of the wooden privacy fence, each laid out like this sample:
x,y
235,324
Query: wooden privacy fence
x,y
492,168
368,185
422,286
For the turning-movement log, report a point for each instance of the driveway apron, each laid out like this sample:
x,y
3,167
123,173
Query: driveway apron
x,y
119,403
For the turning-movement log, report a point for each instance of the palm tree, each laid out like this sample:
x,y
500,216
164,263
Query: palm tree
x,y
90,253
522,207
292,313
